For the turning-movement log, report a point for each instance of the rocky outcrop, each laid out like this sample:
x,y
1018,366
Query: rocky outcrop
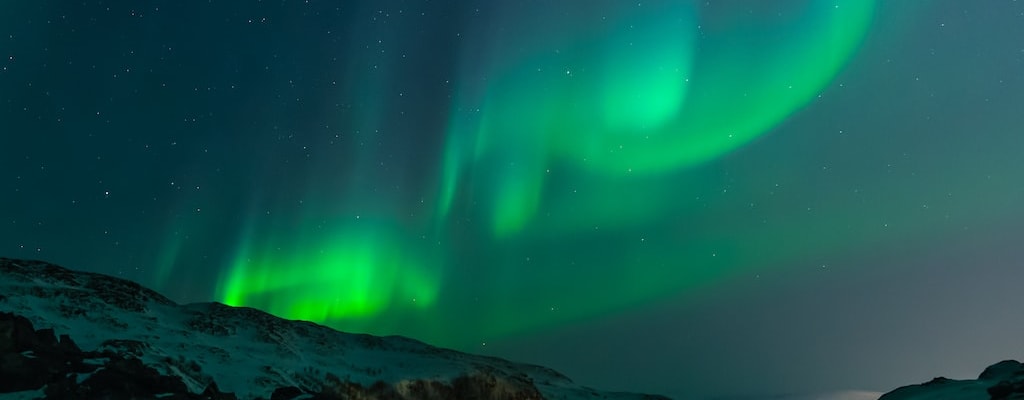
x,y
1001,381
36,360
141,345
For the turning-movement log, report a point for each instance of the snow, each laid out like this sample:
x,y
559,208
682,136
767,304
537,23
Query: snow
x,y
245,351
26,395
952,390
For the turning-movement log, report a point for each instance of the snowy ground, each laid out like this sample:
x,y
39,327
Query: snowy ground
x,y
243,350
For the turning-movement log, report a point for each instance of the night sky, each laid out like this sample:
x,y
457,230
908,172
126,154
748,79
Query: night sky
x,y
687,198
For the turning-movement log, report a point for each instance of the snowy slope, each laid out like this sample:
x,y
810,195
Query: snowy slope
x,y
243,350
1003,380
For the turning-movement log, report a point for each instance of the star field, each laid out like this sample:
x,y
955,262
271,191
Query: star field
x,y
712,182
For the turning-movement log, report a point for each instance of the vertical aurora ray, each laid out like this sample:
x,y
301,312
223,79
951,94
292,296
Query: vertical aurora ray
x,y
358,271
561,138
694,181
169,251
343,249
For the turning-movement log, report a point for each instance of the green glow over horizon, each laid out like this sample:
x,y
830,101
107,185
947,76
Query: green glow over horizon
x,y
352,274
560,143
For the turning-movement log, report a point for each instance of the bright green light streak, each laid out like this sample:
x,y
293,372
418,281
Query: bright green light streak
x,y
594,138
354,273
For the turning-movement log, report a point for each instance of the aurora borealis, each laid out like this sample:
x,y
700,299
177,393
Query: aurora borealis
x,y
620,100
498,177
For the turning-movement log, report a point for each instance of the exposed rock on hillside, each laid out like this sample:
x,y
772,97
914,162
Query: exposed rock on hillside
x,y
140,345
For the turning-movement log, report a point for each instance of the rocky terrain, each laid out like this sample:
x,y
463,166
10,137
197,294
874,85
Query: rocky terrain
x,y
1003,380
74,335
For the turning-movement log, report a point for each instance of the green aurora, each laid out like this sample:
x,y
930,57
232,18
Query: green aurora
x,y
644,196
561,138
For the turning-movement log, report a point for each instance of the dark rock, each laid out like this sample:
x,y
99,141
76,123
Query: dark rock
x,y
938,381
286,393
488,386
67,345
56,364
421,389
16,333
1001,381
1001,390
212,392
64,387
129,377
1001,370
33,359
25,373
8,344
20,369
45,338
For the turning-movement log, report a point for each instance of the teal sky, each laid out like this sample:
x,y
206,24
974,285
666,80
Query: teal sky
x,y
582,185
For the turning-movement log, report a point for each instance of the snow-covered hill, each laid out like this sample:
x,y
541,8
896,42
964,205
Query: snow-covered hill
x,y
1002,380
116,329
